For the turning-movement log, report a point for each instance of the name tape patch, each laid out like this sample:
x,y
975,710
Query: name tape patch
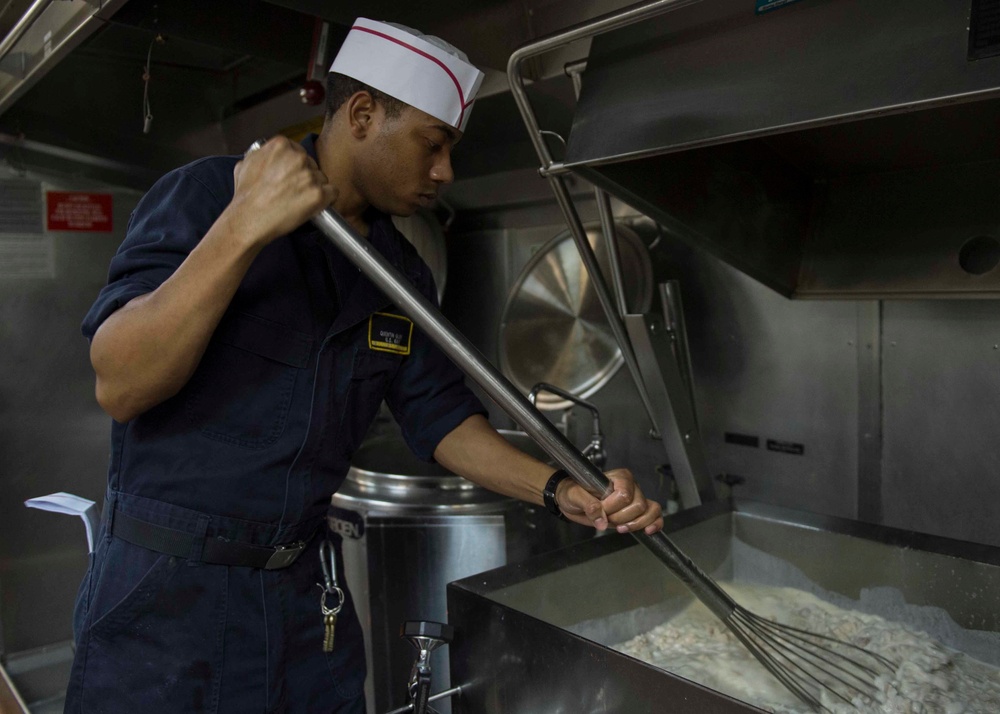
x,y
390,333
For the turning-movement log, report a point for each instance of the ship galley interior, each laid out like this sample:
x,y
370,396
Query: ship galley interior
x,y
319,441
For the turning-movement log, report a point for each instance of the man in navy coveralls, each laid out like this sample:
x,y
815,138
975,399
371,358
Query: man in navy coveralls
x,y
243,359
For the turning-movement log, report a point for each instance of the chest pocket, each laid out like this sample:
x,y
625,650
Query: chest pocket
x,y
371,373
243,387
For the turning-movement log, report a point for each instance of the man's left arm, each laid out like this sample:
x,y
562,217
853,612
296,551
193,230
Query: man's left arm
x,y
477,452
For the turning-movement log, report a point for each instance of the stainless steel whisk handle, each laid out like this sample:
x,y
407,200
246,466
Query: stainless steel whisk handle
x,y
258,144
465,355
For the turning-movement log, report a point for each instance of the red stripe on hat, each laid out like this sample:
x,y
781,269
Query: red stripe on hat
x,y
432,58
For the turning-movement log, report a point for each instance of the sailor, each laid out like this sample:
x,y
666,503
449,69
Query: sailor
x,y
243,359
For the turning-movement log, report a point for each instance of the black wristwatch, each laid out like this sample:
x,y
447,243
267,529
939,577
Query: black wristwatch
x,y
549,493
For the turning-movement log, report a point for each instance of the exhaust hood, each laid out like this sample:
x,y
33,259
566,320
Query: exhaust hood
x,y
826,148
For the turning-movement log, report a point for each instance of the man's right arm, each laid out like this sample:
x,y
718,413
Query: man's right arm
x,y
147,350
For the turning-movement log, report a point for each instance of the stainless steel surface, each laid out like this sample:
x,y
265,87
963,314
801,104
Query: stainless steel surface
x,y
484,264
408,528
26,21
604,23
529,613
614,251
22,144
901,233
771,375
397,571
552,328
869,344
798,373
655,347
673,320
47,32
862,166
832,66
603,201
940,453
565,201
406,533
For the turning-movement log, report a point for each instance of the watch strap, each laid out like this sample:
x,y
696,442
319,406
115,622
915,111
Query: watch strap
x,y
549,493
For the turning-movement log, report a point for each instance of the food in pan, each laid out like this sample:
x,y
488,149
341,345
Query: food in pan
x,y
929,678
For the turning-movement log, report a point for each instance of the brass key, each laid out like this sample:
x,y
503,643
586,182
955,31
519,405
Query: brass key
x,y
330,621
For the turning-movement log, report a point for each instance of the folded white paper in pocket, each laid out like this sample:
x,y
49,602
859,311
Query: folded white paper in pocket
x,y
73,506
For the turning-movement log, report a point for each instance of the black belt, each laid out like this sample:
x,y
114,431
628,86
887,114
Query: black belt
x,y
217,551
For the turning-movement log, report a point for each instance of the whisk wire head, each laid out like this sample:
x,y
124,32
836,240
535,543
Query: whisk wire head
x,y
808,663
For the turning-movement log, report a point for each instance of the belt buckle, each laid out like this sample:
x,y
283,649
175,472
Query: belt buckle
x,y
284,555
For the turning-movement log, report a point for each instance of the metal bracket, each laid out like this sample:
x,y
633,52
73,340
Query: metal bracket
x,y
660,351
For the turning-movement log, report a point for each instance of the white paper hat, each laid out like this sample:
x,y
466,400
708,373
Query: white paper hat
x,y
414,69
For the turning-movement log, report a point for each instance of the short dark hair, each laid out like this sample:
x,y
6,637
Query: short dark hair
x,y
340,88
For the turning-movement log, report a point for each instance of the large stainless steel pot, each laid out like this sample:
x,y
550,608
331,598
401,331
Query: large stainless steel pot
x,y
408,529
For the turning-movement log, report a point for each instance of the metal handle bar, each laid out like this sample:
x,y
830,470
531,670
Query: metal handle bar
x,y
465,355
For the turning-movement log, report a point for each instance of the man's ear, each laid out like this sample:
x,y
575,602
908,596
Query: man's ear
x,y
361,109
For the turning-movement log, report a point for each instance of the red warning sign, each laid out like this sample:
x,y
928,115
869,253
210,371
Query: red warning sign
x,y
78,211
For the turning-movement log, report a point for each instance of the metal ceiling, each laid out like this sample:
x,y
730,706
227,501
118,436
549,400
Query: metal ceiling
x,y
225,72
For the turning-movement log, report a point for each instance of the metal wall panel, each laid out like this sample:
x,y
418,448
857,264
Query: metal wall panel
x,y
763,366
778,371
53,435
941,418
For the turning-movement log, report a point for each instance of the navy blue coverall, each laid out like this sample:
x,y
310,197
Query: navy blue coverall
x,y
250,450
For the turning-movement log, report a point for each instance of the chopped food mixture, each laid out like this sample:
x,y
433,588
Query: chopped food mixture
x,y
929,678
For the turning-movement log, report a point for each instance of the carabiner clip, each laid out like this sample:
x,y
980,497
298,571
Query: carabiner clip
x,y
328,561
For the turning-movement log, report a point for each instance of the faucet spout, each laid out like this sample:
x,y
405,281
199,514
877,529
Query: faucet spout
x,y
594,451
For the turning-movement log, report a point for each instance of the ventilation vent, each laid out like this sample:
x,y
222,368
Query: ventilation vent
x,y
20,207
984,29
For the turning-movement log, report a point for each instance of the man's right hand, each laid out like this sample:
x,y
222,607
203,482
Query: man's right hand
x,y
278,187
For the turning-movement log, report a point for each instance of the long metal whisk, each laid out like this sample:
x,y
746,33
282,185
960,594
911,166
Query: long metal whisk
x,y
818,669
805,663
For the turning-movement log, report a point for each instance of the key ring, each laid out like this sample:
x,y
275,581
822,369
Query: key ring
x,y
340,601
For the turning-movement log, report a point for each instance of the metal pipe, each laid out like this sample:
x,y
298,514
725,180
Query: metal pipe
x,y
464,354
574,70
433,698
570,397
604,23
26,21
79,157
589,28
583,246
614,251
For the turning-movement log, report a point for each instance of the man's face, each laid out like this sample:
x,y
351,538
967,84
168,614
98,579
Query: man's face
x,y
407,161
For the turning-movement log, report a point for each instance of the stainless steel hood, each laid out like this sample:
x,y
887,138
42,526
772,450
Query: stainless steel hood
x,y
827,148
